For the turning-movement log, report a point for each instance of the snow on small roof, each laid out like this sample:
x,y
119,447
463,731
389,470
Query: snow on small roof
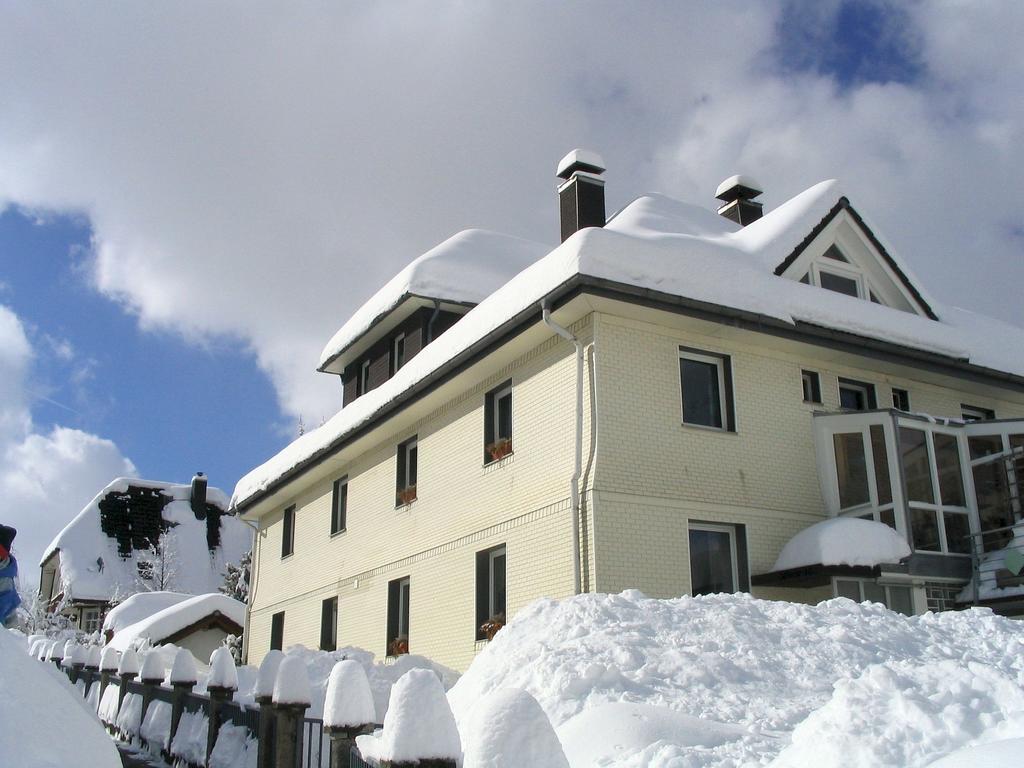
x,y
843,541
177,617
91,567
739,180
464,269
660,244
140,606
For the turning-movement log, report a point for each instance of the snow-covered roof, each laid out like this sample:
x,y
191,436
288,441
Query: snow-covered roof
x,y
843,541
139,607
171,620
464,269
678,249
93,568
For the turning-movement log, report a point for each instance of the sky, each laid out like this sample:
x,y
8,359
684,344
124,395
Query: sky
x,y
195,196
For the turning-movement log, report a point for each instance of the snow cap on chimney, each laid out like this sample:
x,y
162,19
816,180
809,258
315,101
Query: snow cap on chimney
x,y
737,194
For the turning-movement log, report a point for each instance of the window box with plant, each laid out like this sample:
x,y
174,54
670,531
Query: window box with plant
x,y
398,647
406,496
499,449
491,627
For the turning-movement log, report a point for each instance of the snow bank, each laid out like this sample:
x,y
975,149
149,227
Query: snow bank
x,y
843,541
760,666
35,697
190,738
349,700
511,730
1004,752
419,723
162,624
234,748
91,568
139,607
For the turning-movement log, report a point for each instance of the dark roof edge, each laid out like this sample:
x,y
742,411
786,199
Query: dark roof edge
x,y
399,302
844,204
816,575
579,284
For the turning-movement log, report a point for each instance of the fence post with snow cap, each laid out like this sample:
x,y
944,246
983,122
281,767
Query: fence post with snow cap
x,y
291,698
92,666
79,654
221,686
349,710
183,679
66,655
127,669
151,676
108,665
419,728
265,680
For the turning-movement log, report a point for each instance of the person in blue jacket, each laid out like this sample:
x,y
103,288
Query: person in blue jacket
x,y
9,600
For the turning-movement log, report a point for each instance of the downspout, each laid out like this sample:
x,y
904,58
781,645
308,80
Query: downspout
x,y
430,322
253,562
574,483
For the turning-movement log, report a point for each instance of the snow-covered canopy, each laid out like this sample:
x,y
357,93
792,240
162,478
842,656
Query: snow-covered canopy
x,y
166,623
843,541
682,250
93,568
139,607
464,269
36,699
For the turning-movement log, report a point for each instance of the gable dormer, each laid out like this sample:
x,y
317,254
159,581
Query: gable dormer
x,y
842,254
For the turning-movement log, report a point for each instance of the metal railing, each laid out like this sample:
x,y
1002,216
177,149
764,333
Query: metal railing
x,y
999,568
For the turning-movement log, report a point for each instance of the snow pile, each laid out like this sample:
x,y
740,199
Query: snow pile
x,y
1004,752
509,730
35,698
91,568
190,738
139,607
752,671
843,541
222,670
463,269
109,660
419,723
234,748
162,624
349,700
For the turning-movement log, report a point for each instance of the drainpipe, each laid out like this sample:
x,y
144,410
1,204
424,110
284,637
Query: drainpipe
x,y
253,560
574,483
430,322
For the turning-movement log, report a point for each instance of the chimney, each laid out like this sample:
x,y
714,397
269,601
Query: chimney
x,y
581,195
197,498
737,194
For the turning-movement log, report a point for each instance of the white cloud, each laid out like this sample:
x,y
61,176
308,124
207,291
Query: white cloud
x,y
45,478
257,171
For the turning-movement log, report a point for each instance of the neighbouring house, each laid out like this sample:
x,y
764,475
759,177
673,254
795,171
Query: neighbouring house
x,y
199,623
138,607
141,536
662,402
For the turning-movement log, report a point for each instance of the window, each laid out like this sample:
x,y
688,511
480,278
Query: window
x,y
862,474
831,281
974,413
339,505
288,532
490,592
397,353
706,383
329,624
718,560
398,617
900,399
498,423
895,598
811,383
941,597
856,395
277,631
90,619
364,378
405,484
935,491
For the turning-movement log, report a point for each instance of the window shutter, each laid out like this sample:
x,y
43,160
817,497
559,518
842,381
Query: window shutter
x,y
482,585
393,589
488,424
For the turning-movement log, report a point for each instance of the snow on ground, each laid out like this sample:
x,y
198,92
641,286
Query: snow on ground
x,y
748,676
34,698
508,730
139,607
175,618
843,541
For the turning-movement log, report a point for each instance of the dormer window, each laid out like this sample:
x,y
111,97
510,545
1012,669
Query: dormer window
x,y
397,353
364,377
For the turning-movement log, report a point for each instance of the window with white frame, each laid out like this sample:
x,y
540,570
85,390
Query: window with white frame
x,y
339,505
834,272
90,619
900,399
997,469
974,413
498,423
397,353
490,591
811,384
934,485
856,395
894,597
714,560
863,474
706,383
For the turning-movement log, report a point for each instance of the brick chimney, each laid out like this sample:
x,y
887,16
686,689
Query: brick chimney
x,y
581,195
737,194
197,497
